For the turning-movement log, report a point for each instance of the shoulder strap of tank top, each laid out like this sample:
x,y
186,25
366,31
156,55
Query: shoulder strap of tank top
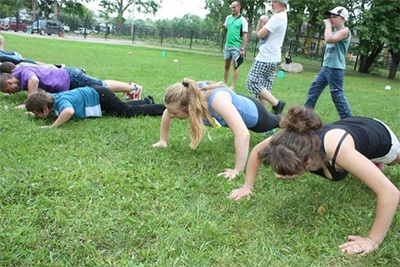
x,y
338,147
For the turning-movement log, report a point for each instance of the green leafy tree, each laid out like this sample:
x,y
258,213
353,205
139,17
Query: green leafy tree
x,y
72,20
119,7
308,16
47,8
9,8
379,26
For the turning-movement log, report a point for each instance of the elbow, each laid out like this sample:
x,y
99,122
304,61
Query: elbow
x,y
69,112
394,195
246,136
242,138
329,40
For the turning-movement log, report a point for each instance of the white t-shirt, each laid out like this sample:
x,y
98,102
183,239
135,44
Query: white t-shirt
x,y
270,51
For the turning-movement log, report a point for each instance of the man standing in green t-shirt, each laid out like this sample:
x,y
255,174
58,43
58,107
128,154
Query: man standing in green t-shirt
x,y
236,40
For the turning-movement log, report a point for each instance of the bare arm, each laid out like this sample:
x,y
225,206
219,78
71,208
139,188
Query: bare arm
x,y
64,116
33,84
252,168
244,43
262,21
261,30
223,106
334,38
388,195
164,130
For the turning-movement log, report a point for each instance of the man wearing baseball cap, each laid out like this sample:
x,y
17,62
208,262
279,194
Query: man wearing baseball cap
x,y
334,65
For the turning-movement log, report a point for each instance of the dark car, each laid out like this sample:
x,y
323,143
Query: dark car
x,y
48,27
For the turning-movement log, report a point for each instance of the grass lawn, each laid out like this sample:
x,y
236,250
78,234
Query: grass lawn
x,y
94,193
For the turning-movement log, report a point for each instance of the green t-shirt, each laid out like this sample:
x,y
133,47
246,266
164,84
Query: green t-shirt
x,y
234,29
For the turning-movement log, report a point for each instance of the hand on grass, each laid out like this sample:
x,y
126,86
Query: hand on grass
x,y
229,174
237,194
160,144
22,106
359,245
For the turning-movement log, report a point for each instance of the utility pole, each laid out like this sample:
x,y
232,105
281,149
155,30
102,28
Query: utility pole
x,y
133,17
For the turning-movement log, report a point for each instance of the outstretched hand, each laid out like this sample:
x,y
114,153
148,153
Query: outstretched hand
x,y
229,174
160,144
22,106
239,193
359,245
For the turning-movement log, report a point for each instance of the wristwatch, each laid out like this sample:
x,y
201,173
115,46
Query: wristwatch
x,y
242,49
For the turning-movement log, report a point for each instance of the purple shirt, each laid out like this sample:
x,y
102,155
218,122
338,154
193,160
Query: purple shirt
x,y
50,80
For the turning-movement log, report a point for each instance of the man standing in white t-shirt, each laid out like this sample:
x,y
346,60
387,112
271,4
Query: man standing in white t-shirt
x,y
262,72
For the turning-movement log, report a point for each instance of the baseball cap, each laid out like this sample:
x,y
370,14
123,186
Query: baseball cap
x,y
282,1
339,11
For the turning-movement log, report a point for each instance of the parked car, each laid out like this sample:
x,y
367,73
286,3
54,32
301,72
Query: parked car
x,y
10,24
48,27
38,25
82,30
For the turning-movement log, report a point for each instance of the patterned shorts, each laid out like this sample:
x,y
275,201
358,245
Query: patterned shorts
x,y
261,76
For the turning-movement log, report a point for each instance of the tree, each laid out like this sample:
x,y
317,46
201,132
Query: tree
x,y
119,7
379,27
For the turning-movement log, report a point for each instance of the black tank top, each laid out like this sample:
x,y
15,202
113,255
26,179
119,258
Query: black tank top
x,y
371,138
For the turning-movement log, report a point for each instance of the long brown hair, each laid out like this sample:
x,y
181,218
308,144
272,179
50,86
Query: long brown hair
x,y
296,148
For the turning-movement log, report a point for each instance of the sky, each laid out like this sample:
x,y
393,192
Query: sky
x,y
170,9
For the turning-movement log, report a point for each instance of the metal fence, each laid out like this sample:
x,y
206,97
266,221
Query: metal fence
x,y
215,41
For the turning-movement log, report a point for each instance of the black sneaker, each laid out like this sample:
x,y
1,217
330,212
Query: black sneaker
x,y
149,99
278,108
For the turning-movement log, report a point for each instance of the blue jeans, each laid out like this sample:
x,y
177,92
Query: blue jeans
x,y
333,78
79,79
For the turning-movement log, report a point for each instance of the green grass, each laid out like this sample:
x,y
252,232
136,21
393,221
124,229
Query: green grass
x,y
94,193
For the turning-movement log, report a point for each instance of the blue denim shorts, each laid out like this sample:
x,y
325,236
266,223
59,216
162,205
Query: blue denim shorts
x,y
79,79
231,52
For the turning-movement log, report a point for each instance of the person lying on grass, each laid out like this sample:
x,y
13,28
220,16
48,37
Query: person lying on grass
x,y
8,67
350,145
215,104
87,102
31,78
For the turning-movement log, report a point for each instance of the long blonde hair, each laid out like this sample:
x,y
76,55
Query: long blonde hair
x,y
190,99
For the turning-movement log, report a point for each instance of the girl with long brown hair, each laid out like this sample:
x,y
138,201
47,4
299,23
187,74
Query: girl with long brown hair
x,y
350,145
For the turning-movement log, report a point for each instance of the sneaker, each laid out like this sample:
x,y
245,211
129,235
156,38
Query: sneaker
x,y
136,93
60,66
278,108
149,99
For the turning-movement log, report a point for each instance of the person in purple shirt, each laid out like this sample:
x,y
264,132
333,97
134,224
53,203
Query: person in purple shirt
x,y
30,78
